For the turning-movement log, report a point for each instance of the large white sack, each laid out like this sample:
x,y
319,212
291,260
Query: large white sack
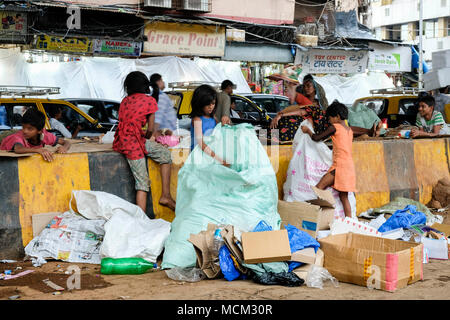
x,y
128,231
99,204
134,237
310,162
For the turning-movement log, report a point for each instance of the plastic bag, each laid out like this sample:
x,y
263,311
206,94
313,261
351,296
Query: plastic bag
x,y
310,162
399,203
127,237
363,117
288,279
109,136
209,192
299,240
227,267
128,231
186,274
316,276
405,218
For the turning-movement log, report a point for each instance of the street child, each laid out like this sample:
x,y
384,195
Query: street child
x,y
341,175
430,122
136,110
203,120
33,137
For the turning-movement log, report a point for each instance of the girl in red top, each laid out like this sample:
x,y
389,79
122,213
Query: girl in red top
x,y
136,110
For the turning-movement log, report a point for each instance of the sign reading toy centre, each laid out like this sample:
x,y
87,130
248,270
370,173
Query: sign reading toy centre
x,y
332,61
171,38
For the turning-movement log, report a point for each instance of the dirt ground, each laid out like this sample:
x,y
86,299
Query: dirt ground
x,y
157,286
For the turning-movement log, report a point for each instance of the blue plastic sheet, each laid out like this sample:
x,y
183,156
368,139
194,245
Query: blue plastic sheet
x,y
227,267
299,240
404,218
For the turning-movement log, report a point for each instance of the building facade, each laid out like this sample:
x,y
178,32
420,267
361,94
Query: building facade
x,y
398,20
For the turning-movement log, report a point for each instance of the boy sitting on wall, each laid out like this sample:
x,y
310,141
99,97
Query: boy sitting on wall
x,y
430,122
33,137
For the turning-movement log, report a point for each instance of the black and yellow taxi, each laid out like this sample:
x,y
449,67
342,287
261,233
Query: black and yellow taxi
x,y
15,100
394,107
249,112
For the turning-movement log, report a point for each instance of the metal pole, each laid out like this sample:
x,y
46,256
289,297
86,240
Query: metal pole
x,y
420,45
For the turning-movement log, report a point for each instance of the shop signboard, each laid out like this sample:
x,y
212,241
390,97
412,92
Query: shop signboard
x,y
184,39
390,58
117,47
332,61
13,27
64,44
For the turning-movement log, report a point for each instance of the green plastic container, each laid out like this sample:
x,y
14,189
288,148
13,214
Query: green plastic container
x,y
126,266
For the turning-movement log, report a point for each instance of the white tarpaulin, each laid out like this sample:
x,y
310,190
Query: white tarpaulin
x,y
98,77
347,89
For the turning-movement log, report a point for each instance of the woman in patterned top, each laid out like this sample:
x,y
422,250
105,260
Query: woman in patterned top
x,y
430,122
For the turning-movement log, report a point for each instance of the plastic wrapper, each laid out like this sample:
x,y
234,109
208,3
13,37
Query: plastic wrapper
x,y
186,274
405,218
227,267
288,279
317,275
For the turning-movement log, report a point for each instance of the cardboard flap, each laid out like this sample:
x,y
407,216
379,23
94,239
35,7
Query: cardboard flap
x,y
307,255
266,246
324,198
445,228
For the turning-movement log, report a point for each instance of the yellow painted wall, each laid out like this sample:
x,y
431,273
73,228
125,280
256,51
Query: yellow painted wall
x,y
47,186
431,165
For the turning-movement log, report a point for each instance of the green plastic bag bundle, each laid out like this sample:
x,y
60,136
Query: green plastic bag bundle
x,y
209,192
363,117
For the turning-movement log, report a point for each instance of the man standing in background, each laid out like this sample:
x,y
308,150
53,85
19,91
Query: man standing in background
x,y
223,103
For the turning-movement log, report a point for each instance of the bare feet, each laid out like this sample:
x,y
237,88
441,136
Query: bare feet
x,y
167,202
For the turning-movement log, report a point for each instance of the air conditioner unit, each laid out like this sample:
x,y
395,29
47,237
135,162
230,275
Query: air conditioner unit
x,y
158,3
196,5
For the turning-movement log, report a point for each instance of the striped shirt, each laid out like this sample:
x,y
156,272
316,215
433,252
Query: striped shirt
x,y
427,125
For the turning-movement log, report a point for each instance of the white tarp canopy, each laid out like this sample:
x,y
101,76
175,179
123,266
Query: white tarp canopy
x,y
96,77
347,89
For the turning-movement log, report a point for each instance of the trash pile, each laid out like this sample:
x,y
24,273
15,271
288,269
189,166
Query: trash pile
x,y
98,225
227,222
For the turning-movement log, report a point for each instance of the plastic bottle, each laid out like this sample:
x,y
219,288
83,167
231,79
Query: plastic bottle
x,y
218,241
125,266
404,134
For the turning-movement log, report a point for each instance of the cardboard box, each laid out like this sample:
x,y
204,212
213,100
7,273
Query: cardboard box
x,y
266,246
307,255
41,220
441,59
437,249
345,225
445,228
306,216
350,257
302,271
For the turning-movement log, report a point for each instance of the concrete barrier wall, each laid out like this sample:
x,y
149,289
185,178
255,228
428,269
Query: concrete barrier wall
x,y
384,170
